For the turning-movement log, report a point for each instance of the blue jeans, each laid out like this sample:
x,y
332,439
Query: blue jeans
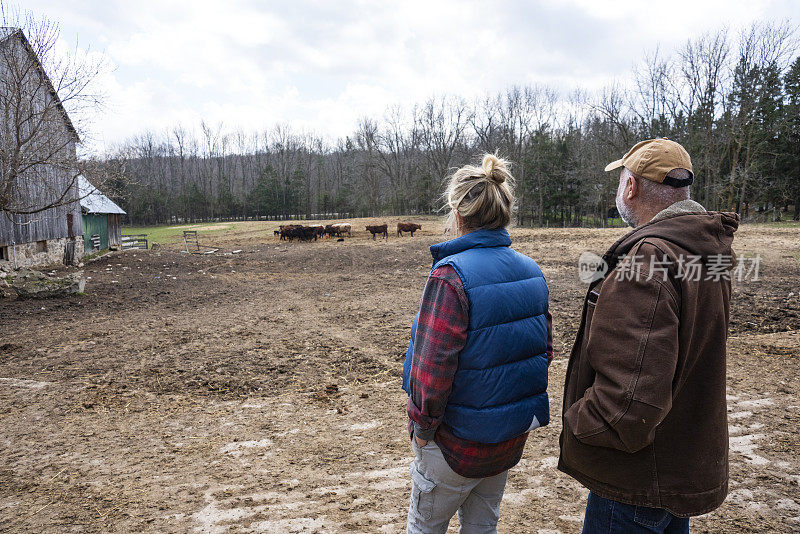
x,y
604,516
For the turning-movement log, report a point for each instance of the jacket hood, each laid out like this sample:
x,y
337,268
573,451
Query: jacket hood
x,y
482,238
701,234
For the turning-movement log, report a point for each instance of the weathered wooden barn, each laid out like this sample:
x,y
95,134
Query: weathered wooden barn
x,y
101,218
29,235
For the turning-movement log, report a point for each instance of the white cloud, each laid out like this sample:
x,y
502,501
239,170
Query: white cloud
x,y
322,65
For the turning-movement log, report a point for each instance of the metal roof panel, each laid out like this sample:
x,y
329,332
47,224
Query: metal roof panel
x,y
93,201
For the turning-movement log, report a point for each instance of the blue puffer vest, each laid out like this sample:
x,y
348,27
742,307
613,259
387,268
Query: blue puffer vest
x,y
500,387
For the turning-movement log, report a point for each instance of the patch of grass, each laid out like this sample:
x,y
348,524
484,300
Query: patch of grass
x,y
594,222
612,222
782,224
93,255
173,233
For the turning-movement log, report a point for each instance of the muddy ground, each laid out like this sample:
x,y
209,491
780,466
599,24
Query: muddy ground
x,y
260,391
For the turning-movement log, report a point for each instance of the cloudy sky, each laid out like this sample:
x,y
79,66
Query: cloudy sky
x,y
320,65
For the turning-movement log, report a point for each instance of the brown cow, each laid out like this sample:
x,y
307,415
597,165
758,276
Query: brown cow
x,y
285,231
379,229
303,233
342,228
306,233
319,230
407,227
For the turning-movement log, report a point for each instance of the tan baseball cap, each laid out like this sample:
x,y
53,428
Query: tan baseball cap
x,y
653,159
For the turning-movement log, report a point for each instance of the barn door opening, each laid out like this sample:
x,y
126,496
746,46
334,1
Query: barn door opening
x,y
114,230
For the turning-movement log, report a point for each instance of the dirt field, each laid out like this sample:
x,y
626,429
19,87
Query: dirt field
x,y
260,391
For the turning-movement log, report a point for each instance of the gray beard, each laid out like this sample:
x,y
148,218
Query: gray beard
x,y
626,213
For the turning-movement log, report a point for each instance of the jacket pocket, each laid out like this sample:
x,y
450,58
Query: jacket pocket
x,y
422,493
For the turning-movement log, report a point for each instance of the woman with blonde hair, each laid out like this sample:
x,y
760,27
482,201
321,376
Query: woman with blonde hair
x,y
476,367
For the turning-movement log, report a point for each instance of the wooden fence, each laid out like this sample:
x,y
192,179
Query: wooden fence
x,y
134,241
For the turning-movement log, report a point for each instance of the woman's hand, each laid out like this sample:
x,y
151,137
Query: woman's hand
x,y
421,442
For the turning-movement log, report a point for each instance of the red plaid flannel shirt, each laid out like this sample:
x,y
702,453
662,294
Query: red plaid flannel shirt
x,y
441,335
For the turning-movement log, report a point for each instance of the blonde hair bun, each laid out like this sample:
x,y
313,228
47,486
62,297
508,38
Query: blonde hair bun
x,y
482,195
496,169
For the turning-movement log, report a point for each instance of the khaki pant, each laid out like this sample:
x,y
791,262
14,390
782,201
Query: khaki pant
x,y
437,492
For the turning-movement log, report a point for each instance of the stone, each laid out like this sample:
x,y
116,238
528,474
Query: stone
x,y
5,290
57,251
30,284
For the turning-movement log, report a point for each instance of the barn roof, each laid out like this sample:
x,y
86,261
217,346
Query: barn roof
x,y
93,201
8,31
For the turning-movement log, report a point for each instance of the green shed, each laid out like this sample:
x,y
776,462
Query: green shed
x,y
101,217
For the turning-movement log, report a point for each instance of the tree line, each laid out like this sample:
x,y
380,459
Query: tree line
x,y
732,100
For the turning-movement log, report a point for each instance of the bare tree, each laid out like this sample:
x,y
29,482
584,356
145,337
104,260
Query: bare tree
x,y
651,97
366,139
38,87
486,122
524,111
703,75
284,148
442,123
398,155
611,106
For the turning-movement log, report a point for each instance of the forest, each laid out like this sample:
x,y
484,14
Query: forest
x,y
732,99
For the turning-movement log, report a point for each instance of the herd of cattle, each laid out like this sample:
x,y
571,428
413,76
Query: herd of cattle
x,y
289,232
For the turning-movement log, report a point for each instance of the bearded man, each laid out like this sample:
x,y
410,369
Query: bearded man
x,y
645,415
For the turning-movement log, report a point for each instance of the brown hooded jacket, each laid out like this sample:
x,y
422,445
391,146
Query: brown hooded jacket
x,y
645,414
